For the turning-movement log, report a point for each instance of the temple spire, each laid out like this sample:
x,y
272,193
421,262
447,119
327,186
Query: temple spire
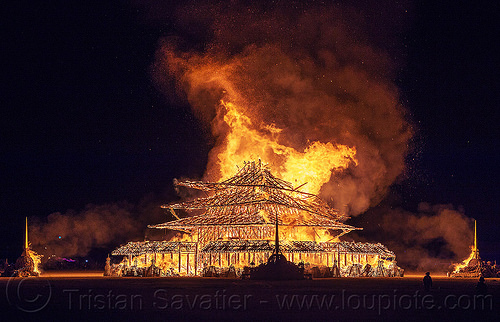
x,y
26,245
475,239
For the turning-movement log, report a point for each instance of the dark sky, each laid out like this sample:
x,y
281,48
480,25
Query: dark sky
x,y
82,121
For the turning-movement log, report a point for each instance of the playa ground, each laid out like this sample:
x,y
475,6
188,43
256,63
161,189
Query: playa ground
x,y
88,296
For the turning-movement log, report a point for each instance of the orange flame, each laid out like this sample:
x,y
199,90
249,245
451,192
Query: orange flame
x,y
465,262
313,166
36,258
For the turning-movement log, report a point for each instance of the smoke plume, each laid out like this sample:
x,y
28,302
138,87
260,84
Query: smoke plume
x,y
430,239
97,226
310,72
319,73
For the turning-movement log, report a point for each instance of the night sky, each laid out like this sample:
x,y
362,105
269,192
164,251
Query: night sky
x,y
83,122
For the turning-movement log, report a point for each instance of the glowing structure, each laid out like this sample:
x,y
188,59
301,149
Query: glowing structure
x,y
26,243
237,230
472,266
27,264
475,250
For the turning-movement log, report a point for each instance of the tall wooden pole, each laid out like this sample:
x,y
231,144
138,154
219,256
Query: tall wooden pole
x,y
26,245
475,240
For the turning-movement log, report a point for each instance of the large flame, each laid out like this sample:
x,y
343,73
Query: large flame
x,y
313,166
473,255
302,93
36,258
267,103
246,136
465,263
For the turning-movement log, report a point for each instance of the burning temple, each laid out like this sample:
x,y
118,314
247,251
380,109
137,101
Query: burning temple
x,y
237,231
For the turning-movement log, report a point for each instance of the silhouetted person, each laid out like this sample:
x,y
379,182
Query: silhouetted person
x,y
427,281
481,287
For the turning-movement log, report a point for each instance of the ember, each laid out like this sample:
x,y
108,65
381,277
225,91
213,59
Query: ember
x,y
237,230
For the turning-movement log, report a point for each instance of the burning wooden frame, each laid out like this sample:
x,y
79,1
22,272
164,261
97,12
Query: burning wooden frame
x,y
238,226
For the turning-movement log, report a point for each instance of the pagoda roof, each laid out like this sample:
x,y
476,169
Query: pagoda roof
x,y
253,191
158,247
249,246
259,246
251,174
354,247
254,218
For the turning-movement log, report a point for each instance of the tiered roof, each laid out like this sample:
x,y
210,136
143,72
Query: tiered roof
x,y
251,246
362,248
249,219
255,197
231,246
158,247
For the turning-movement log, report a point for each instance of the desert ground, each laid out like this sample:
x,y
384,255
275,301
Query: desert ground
x,y
87,296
